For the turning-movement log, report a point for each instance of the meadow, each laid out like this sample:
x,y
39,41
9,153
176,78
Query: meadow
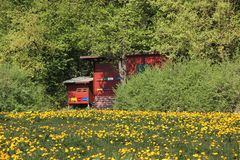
x,y
108,134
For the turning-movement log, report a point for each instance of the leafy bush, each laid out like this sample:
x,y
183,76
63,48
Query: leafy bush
x,y
17,92
190,86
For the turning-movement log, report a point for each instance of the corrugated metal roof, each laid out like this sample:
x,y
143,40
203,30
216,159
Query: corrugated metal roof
x,y
90,57
144,53
128,55
79,80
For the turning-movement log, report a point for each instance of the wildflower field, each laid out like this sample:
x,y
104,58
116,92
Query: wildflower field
x,y
107,134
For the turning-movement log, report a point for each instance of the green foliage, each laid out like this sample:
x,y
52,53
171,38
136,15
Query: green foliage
x,y
18,93
46,38
208,29
190,86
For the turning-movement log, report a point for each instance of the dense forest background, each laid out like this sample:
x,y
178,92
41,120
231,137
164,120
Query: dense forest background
x,y
43,39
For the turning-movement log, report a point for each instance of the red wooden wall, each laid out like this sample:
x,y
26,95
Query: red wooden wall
x,y
82,93
133,61
105,78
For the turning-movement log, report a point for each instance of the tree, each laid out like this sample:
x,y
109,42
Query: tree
x,y
208,29
46,38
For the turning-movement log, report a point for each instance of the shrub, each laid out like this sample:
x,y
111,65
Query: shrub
x,y
18,92
189,86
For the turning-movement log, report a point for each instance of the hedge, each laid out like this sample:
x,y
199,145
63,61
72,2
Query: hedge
x,y
196,85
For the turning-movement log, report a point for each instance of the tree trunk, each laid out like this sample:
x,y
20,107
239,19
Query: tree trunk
x,y
122,69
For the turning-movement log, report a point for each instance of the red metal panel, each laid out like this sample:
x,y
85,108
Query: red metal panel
x,y
105,78
150,59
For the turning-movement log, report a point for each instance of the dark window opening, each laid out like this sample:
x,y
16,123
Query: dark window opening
x,y
141,67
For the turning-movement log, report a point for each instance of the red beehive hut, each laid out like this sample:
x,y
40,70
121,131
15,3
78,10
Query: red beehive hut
x,y
105,79
137,63
80,92
100,88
